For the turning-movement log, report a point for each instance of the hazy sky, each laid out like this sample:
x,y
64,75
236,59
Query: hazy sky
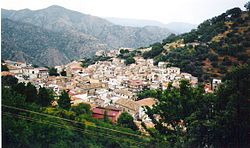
x,y
192,11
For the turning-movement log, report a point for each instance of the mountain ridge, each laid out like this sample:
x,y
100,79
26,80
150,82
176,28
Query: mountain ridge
x,y
100,33
175,27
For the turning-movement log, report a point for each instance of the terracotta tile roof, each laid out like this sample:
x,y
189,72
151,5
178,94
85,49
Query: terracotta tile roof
x,y
6,73
101,111
111,107
128,104
135,82
146,102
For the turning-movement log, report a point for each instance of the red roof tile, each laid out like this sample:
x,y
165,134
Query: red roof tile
x,y
101,111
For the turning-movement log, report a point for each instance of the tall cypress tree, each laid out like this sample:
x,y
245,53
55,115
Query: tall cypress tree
x,y
64,100
44,97
30,93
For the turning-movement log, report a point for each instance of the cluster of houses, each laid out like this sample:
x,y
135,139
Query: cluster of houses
x,y
25,71
110,87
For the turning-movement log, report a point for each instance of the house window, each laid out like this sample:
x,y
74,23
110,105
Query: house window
x,y
33,72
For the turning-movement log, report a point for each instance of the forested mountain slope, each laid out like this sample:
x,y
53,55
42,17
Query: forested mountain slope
x,y
212,49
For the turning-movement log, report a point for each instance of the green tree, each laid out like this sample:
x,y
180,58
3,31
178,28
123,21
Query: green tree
x,y
106,117
44,96
156,50
81,108
232,109
9,80
4,67
19,88
247,5
53,71
84,64
172,37
124,51
129,60
63,73
30,92
177,108
127,121
16,133
190,118
64,100
10,97
148,93
235,12
212,57
35,66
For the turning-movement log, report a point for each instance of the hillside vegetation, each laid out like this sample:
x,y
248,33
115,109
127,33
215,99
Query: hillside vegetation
x,y
29,120
210,50
189,117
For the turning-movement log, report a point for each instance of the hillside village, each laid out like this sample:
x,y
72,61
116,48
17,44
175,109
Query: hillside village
x,y
62,87
107,85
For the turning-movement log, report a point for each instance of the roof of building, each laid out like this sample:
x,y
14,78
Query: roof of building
x,y
28,67
14,68
112,107
128,104
42,69
13,62
135,82
146,102
6,73
101,111
124,92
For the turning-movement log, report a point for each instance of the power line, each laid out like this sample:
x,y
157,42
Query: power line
x,y
65,127
58,125
96,126
73,121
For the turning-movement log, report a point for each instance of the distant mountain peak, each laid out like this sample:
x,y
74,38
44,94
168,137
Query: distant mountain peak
x,y
55,7
69,33
26,9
